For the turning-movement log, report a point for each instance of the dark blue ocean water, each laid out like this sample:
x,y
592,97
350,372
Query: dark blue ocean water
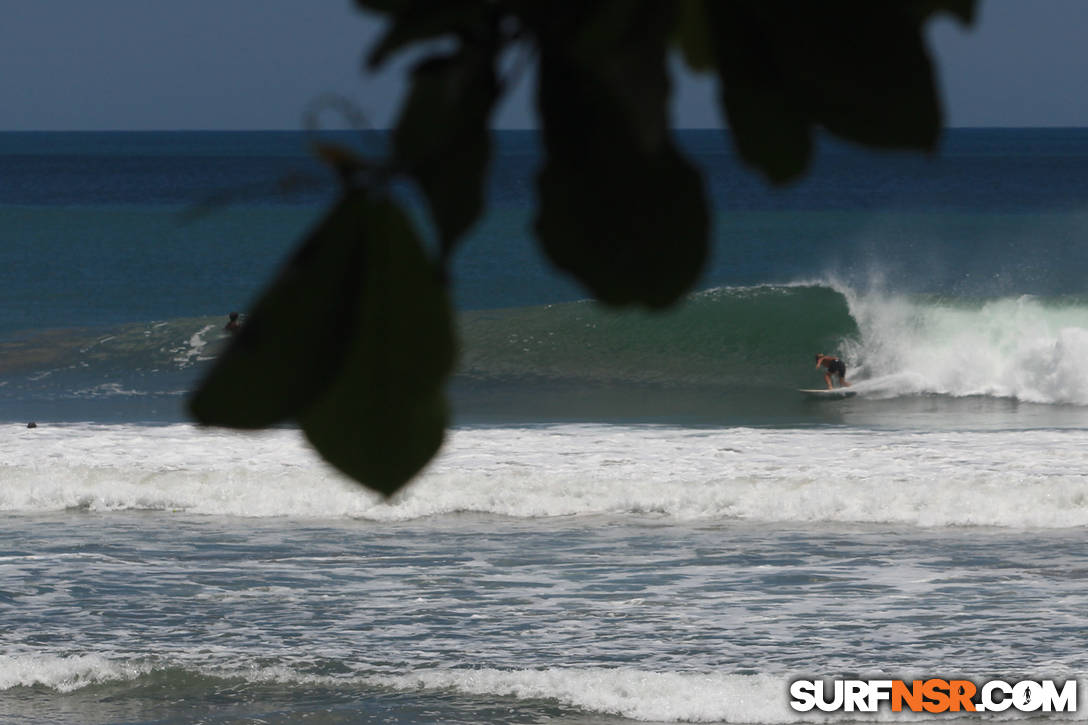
x,y
635,517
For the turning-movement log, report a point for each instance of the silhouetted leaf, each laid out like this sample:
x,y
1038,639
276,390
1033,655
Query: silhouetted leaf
x,y
341,159
295,337
412,21
636,238
963,10
771,128
442,136
691,36
870,80
619,207
858,68
383,415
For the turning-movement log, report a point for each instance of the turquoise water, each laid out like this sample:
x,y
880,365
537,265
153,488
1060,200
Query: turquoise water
x,y
635,517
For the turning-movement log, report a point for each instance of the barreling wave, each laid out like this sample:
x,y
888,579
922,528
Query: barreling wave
x,y
731,355
1024,348
729,336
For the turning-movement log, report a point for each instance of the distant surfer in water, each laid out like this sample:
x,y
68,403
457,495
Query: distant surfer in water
x,y
234,325
834,366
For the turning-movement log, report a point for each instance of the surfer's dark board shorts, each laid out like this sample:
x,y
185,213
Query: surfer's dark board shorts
x,y
837,367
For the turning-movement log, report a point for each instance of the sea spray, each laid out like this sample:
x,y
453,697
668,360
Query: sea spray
x,y
1024,348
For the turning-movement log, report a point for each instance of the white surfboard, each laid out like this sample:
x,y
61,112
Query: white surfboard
x,y
833,393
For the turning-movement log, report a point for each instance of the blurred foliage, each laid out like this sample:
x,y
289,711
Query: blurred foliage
x,y
354,340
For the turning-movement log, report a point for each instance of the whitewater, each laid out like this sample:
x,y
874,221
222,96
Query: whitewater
x,y
1035,478
1025,347
574,573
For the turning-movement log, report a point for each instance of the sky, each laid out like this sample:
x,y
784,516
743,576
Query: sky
x,y
260,64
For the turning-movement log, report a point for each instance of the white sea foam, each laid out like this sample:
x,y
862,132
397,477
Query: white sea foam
x,y
1032,478
187,355
628,692
107,390
63,674
650,696
1022,347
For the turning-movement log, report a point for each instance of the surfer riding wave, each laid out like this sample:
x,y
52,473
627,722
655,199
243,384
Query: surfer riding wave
x,y
834,366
